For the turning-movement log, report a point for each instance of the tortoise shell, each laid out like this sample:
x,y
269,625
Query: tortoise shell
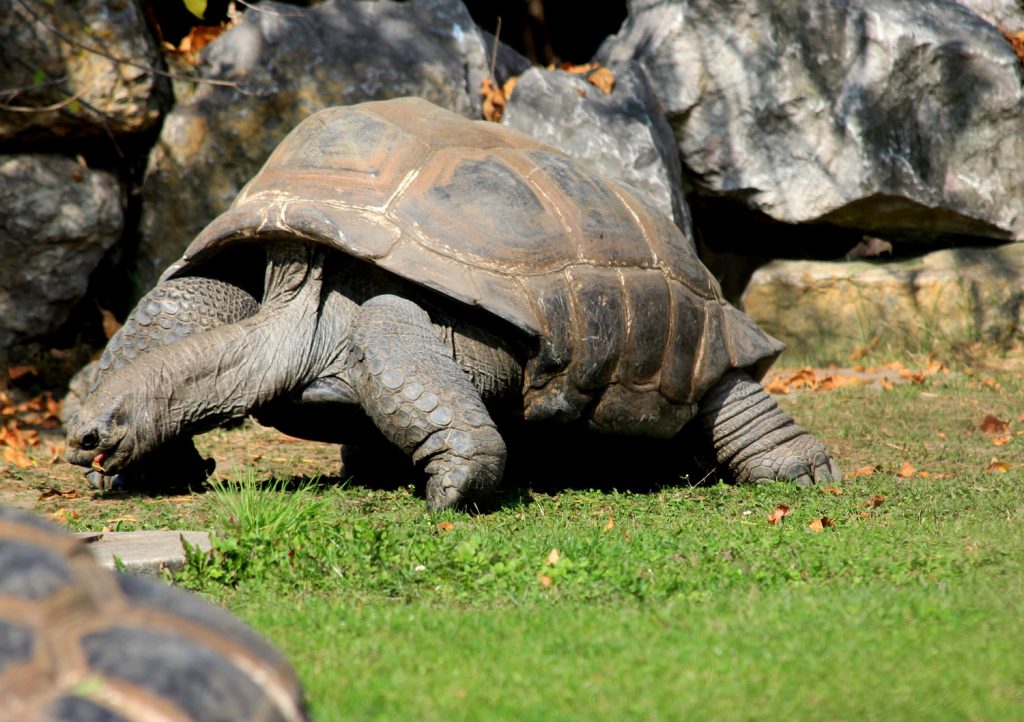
x,y
630,328
79,642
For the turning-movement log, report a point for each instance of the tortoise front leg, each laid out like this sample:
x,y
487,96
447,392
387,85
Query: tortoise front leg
x,y
423,402
756,440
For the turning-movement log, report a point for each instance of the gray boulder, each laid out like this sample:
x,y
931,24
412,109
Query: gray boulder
x,y
1007,14
622,134
59,219
46,62
901,119
290,62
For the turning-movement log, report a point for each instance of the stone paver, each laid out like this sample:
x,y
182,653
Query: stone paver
x,y
144,552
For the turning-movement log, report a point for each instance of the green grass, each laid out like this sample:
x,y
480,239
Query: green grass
x,y
688,605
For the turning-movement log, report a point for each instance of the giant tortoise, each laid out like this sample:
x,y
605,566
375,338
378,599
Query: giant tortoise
x,y
81,643
419,277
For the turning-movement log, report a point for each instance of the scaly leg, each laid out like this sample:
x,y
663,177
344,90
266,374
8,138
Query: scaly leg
x,y
424,403
756,440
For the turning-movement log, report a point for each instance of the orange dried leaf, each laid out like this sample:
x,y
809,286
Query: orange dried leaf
x,y
864,471
997,467
494,100
578,69
1002,439
110,323
991,383
777,386
52,492
610,524
545,580
875,501
832,490
18,371
906,470
862,351
445,525
553,556
885,384
128,518
820,524
63,516
994,425
509,86
17,457
1016,41
779,513
603,78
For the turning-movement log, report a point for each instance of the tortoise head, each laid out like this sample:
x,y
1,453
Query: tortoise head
x,y
116,426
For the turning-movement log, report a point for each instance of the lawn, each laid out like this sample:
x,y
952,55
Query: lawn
x,y
897,594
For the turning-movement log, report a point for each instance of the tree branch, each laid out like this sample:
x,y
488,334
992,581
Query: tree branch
x,y
124,61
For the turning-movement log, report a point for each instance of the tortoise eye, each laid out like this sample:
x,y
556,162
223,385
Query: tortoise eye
x,y
90,440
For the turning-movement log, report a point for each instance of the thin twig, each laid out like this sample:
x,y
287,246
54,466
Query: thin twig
x,y
44,109
494,50
123,61
14,92
256,9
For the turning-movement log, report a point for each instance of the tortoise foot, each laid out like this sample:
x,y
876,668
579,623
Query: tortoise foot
x,y
756,440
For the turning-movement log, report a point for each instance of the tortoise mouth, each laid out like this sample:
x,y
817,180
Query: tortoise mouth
x,y
103,457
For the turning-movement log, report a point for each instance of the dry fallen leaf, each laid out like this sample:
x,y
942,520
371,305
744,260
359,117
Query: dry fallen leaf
x,y
603,78
832,490
994,425
127,519
874,501
546,580
932,475
610,524
997,467
864,471
553,557
52,492
63,516
1016,41
17,457
779,513
906,470
820,524
445,525
496,97
17,371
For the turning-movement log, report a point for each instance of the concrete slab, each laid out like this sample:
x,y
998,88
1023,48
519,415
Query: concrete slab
x,y
144,552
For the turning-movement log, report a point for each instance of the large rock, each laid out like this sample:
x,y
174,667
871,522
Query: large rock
x,y
58,220
902,119
45,51
622,134
290,62
945,297
1008,14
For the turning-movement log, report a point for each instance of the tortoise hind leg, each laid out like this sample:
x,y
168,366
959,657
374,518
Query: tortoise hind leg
x,y
756,440
415,392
